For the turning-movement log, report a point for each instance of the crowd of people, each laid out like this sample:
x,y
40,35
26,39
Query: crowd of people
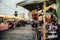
x,y
50,20
11,23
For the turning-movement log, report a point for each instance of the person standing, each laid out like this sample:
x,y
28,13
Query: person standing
x,y
34,24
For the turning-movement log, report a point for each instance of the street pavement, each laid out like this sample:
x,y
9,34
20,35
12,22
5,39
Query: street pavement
x,y
19,33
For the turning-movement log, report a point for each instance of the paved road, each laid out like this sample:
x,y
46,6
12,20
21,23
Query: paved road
x,y
19,33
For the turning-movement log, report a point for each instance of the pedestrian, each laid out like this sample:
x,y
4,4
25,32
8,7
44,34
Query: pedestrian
x,y
34,24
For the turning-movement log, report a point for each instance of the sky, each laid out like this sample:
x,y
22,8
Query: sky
x,y
8,7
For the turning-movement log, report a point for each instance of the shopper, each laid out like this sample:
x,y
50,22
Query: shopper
x,y
34,24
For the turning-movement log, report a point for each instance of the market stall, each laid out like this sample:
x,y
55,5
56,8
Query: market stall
x,y
45,33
